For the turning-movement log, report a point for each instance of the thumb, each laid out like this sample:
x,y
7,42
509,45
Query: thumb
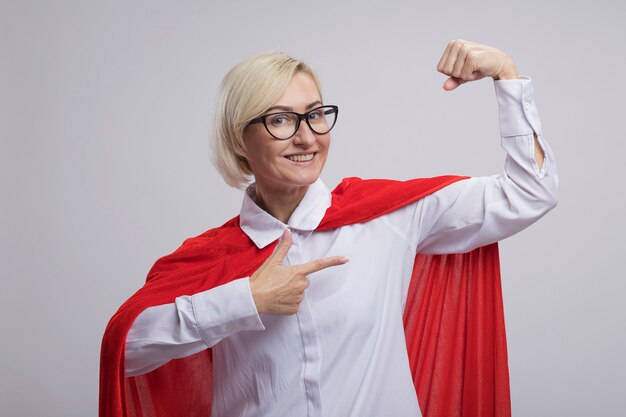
x,y
452,83
284,243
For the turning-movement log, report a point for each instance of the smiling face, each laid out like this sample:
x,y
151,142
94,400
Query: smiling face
x,y
290,165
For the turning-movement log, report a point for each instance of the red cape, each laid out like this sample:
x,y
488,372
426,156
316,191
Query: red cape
x,y
453,318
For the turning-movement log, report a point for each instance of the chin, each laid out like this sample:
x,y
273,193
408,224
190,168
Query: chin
x,y
303,181
303,177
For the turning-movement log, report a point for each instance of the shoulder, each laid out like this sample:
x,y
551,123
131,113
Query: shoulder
x,y
211,244
357,200
354,186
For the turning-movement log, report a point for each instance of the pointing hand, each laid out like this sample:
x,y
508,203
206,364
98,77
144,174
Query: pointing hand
x,y
279,289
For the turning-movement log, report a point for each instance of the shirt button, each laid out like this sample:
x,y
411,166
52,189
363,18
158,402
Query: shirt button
x,y
526,105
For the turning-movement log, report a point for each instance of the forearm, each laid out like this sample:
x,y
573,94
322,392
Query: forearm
x,y
158,335
189,325
509,72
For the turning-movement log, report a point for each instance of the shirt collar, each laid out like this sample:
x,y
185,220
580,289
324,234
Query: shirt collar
x,y
263,228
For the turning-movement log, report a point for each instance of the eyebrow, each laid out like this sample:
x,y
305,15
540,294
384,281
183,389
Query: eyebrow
x,y
289,108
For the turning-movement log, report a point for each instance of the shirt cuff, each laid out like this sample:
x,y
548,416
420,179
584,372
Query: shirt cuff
x,y
516,105
224,310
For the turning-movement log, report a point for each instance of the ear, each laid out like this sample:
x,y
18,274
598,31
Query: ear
x,y
240,153
243,161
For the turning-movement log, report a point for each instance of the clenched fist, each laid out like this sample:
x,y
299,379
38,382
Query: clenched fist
x,y
466,61
279,289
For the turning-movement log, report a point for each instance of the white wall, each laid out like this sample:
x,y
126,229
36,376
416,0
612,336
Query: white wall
x,y
104,119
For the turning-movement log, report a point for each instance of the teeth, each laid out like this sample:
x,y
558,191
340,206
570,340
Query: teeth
x,y
301,158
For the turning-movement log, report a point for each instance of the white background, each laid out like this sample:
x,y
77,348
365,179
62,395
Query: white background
x,y
105,113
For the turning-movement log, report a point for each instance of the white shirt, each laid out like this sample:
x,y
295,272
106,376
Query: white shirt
x,y
344,352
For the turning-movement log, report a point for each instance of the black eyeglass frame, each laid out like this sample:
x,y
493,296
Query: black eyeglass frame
x,y
299,118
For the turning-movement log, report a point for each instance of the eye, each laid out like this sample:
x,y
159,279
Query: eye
x,y
280,119
316,114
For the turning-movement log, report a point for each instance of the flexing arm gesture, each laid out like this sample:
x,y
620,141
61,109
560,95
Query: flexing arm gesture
x,y
279,289
466,61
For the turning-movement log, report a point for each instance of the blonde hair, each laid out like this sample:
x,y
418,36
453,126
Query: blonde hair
x,y
248,90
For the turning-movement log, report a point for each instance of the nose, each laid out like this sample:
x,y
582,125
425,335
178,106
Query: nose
x,y
304,135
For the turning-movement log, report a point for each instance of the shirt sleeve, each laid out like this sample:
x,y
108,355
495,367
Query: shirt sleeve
x,y
189,325
482,210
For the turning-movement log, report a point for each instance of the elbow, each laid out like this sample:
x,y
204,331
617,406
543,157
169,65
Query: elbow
x,y
548,199
538,201
554,201
551,201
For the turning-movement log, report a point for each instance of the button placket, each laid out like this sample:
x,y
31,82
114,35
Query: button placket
x,y
310,343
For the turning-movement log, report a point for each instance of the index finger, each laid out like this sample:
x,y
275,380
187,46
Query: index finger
x,y
322,263
281,250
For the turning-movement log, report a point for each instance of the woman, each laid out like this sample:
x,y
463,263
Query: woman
x,y
313,325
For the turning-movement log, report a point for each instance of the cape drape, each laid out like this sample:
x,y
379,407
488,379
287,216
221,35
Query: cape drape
x,y
453,316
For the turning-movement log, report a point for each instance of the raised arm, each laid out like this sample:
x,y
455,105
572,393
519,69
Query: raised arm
x,y
483,210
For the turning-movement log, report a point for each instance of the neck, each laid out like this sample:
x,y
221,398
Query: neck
x,y
279,202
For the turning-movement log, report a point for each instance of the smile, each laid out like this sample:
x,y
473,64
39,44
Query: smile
x,y
301,158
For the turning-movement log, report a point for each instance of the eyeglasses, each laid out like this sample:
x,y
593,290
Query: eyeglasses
x,y
284,125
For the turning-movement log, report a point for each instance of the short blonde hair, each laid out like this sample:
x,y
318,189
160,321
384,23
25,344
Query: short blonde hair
x,y
248,90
